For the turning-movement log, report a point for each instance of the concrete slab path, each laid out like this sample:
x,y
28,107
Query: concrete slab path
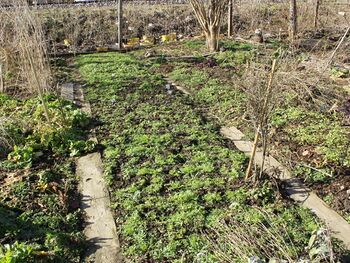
x,y
100,228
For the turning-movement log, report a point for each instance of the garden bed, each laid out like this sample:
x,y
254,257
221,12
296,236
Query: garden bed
x,y
310,138
40,219
171,174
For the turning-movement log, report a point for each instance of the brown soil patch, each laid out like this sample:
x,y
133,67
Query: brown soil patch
x,y
340,192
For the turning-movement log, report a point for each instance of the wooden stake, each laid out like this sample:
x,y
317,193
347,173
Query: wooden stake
x,y
120,24
230,18
317,8
293,19
252,156
2,83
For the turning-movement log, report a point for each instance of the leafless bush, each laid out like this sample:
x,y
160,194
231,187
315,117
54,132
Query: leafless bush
x,y
159,19
273,17
261,91
23,50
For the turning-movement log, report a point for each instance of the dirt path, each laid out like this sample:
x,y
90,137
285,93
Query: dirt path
x,y
100,229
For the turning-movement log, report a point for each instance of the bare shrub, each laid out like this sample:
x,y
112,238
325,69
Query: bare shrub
x,y
24,51
210,17
273,17
261,93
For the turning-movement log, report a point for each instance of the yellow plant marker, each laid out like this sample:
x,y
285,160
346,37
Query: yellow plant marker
x,y
168,38
102,49
147,41
66,42
133,42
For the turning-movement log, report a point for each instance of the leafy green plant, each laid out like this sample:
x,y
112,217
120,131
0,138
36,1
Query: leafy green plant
x,y
33,136
233,58
23,155
312,175
340,72
16,253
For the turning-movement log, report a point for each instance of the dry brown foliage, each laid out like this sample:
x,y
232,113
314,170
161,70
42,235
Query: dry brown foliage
x,y
23,52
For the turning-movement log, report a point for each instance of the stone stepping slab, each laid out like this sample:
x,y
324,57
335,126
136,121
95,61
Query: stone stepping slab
x,y
100,228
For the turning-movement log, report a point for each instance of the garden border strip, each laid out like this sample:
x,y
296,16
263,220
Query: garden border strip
x,y
295,189
100,228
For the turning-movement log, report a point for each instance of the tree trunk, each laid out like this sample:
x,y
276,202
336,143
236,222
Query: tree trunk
x,y
317,8
212,39
293,17
209,15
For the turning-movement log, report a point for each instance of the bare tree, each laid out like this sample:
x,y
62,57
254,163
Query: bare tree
x,y
293,18
209,14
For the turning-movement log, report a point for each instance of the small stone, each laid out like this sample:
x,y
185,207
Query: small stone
x,y
348,191
305,153
342,187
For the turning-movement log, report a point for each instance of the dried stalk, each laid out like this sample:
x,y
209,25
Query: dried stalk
x,y
2,83
263,116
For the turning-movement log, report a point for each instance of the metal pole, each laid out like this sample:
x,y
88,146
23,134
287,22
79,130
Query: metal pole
x,y
120,24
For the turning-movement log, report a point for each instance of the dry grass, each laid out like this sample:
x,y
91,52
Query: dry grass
x,y
273,17
88,28
232,240
23,53
5,140
242,241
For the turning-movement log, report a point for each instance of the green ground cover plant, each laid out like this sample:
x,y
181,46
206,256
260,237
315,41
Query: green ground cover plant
x,y
298,127
40,220
171,175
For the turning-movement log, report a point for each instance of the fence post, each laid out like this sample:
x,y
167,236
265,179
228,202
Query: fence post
x,y
230,14
317,8
120,24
